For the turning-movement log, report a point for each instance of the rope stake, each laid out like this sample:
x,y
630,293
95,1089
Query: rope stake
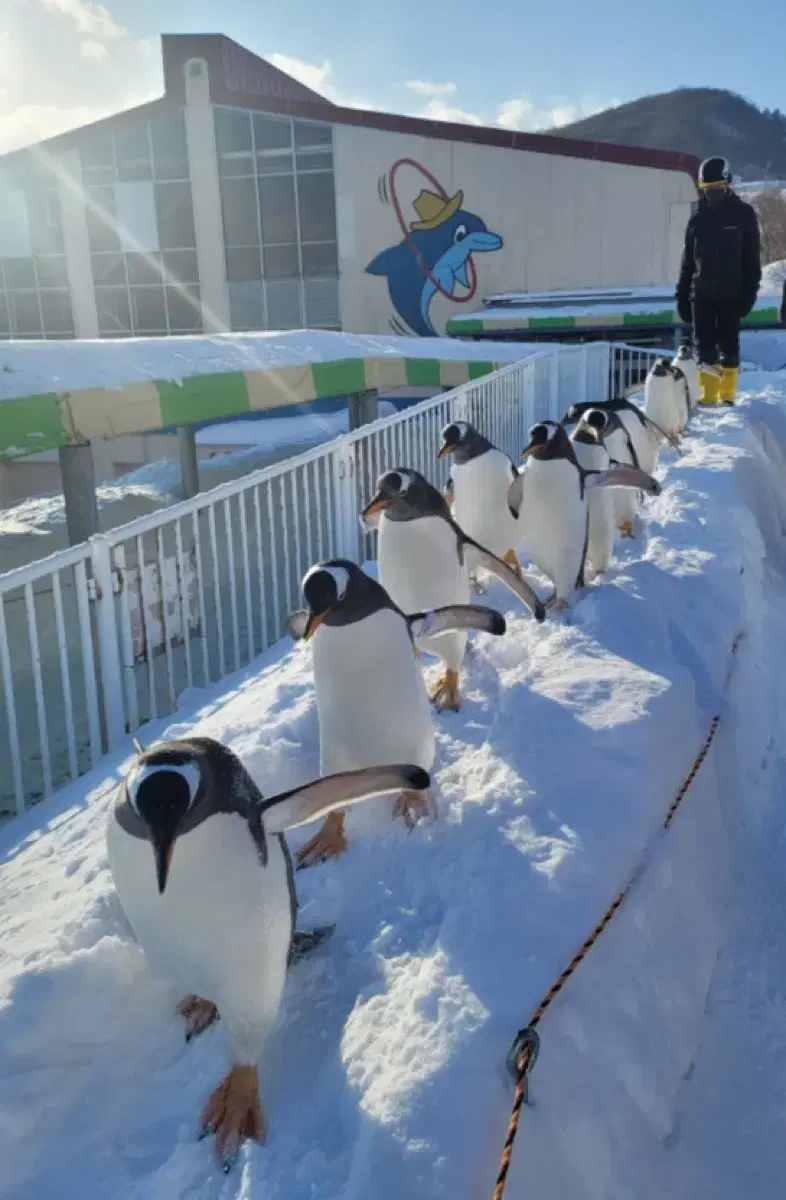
x,y
526,1045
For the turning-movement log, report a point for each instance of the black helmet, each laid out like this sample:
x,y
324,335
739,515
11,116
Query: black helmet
x,y
714,173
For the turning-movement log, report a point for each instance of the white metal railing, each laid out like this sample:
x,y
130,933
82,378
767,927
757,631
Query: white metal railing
x,y
100,638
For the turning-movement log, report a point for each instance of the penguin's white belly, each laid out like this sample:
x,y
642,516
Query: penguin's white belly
x,y
690,370
222,928
554,518
661,405
480,490
419,568
602,509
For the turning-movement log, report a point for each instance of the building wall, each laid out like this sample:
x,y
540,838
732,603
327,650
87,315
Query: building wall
x,y
560,223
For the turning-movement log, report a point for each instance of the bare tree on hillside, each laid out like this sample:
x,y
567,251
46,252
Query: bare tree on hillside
x,y
770,206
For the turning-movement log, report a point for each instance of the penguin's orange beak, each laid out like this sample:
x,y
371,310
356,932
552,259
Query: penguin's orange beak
x,y
446,450
377,505
313,624
525,453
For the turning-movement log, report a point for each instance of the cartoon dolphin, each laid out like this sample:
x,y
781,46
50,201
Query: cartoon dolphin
x,y
436,253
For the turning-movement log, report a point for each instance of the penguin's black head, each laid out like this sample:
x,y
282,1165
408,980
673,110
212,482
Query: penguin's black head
x,y
597,420
542,435
463,441
325,587
661,367
162,788
403,495
685,354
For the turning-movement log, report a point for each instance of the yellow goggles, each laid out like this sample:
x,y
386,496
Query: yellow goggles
x,y
718,183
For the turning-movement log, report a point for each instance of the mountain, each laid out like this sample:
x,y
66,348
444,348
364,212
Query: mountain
x,y
700,121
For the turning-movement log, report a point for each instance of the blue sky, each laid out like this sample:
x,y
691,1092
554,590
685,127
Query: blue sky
x,y
504,61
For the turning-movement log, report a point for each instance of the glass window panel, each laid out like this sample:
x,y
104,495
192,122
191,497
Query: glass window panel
x,y
102,219
56,311
14,222
114,314
170,149
274,162
175,213
283,304
26,314
97,152
277,209
19,273
272,133
46,235
321,298
243,264
132,148
182,264
313,134
239,205
320,258
281,262
5,316
144,268
317,207
108,268
185,314
245,305
149,310
52,271
233,142
314,160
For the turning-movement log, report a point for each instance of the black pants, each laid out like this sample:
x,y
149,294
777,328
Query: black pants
x,y
716,332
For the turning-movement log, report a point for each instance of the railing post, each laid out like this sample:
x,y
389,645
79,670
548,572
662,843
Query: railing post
x,y
460,406
583,369
554,409
345,499
108,648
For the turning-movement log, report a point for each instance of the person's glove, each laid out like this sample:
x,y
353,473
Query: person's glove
x,y
684,310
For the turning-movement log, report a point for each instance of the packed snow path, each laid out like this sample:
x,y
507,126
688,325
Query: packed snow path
x,y
383,1078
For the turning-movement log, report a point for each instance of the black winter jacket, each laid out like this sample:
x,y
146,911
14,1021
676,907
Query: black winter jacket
x,y
722,259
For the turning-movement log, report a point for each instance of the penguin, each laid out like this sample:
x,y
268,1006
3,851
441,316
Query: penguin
x,y
479,483
637,446
551,494
593,455
684,359
203,873
423,566
666,401
371,697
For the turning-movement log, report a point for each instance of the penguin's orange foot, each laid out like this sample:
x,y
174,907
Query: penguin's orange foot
x,y
412,806
198,1014
330,842
626,529
446,694
511,558
234,1114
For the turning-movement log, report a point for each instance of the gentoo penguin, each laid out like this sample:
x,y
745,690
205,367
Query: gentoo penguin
x,y
551,494
593,455
205,879
666,401
480,480
684,359
637,445
422,565
371,698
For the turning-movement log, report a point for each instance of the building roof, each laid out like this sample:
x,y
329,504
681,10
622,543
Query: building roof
x,y
241,79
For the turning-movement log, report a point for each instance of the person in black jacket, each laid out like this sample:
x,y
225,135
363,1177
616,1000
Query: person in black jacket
x,y
719,278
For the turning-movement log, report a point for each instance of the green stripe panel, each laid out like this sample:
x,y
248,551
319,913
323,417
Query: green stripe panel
x,y
552,323
203,398
30,424
423,372
465,325
478,369
340,378
768,315
666,317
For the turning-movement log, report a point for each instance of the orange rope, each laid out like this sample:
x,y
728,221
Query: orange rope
x,y
525,1058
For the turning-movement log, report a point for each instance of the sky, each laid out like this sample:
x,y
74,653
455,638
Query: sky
x,y
503,62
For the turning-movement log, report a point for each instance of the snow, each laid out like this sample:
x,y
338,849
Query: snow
x,y
32,368
384,1076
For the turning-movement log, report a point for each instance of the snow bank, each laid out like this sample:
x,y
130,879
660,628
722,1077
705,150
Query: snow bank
x,y
383,1079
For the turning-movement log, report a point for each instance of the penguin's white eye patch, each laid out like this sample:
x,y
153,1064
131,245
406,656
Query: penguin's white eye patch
x,y
340,576
139,774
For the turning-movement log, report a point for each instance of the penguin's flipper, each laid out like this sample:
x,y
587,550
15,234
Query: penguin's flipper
x,y
297,622
456,617
623,477
306,940
515,583
516,494
301,805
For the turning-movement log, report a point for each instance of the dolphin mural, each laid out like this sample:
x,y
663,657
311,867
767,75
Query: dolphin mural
x,y
434,256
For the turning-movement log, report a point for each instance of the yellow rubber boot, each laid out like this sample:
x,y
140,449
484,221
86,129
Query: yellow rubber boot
x,y
710,385
728,385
